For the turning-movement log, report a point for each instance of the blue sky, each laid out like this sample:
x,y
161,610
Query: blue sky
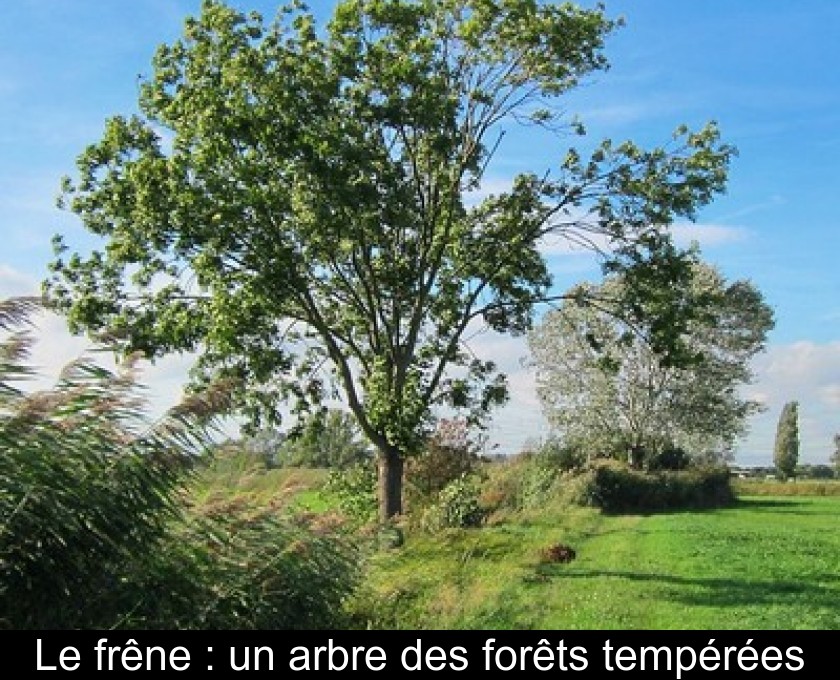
x,y
766,70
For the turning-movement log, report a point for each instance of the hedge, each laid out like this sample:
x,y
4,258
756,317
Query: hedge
x,y
614,487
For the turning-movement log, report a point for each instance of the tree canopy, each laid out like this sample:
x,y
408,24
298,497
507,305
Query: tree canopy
x,y
294,203
604,389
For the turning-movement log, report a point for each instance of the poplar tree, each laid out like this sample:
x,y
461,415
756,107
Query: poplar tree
x,y
786,450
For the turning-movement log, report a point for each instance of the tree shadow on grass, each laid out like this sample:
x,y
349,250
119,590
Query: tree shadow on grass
x,y
769,505
785,506
822,591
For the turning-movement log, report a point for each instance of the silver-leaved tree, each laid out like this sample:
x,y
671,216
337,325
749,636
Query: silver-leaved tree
x,y
608,394
293,202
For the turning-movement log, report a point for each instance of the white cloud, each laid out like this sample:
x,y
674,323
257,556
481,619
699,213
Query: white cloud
x,y
771,203
55,347
29,216
521,419
14,283
618,114
830,395
802,365
626,113
491,186
708,235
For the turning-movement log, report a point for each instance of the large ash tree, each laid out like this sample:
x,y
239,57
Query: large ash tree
x,y
293,204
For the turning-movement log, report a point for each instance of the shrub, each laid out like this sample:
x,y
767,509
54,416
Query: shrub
x,y
449,454
671,458
522,482
456,506
537,485
355,491
561,456
613,487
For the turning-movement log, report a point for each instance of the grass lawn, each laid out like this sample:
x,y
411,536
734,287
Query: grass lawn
x,y
766,563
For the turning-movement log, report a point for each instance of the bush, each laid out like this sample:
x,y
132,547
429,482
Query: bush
x,y
814,472
523,482
561,456
449,455
671,458
355,491
94,532
457,506
614,487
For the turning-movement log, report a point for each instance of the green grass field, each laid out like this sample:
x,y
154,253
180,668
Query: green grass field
x,y
767,563
770,562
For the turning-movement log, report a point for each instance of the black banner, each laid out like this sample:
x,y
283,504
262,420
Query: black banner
x,y
667,654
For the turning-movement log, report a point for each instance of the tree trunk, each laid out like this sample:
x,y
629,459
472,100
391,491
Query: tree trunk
x,y
636,456
390,464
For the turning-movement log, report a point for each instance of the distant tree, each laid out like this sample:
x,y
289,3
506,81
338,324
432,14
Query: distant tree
x,y
835,457
605,390
329,439
786,450
815,471
266,444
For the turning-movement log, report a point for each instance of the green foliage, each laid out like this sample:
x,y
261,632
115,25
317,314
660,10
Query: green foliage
x,y
524,482
539,481
457,506
613,487
814,472
329,439
354,489
240,566
306,224
561,455
87,485
232,472
670,458
264,444
786,448
94,529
